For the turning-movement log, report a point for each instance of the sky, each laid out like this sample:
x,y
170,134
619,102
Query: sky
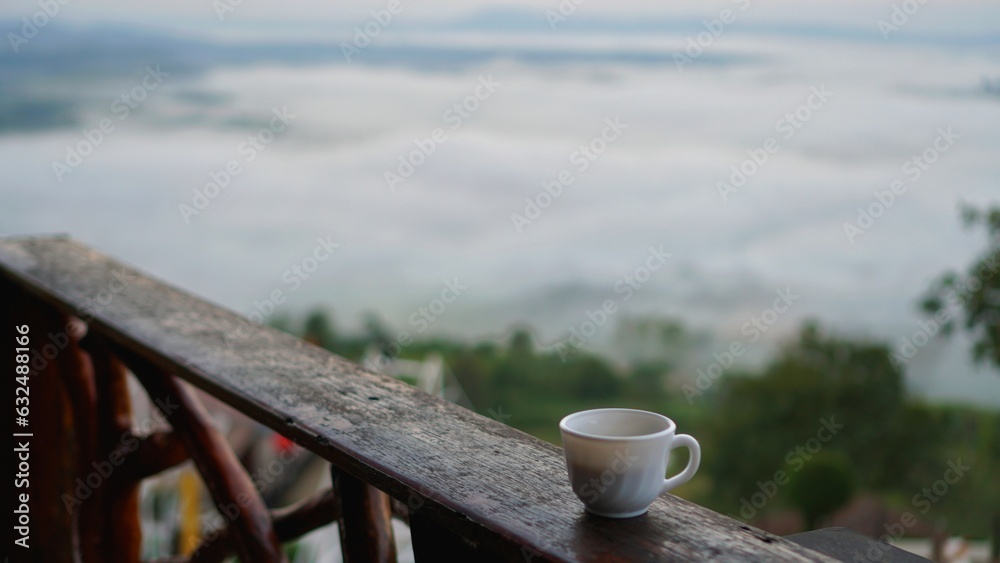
x,y
959,16
871,103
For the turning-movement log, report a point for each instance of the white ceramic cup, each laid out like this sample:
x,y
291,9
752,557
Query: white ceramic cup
x,y
617,459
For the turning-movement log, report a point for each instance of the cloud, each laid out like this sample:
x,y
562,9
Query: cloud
x,y
656,185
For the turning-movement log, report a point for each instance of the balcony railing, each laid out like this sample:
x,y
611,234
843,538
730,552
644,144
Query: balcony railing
x,y
470,488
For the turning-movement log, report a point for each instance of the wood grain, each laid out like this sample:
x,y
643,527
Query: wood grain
x,y
365,521
77,374
289,523
121,535
53,536
155,452
232,491
500,488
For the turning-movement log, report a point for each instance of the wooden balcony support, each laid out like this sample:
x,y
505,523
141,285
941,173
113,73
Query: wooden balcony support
x,y
155,453
121,535
472,487
365,521
54,536
289,523
231,488
77,375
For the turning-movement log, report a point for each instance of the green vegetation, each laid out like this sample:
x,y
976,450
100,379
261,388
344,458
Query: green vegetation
x,y
827,418
828,412
823,485
977,292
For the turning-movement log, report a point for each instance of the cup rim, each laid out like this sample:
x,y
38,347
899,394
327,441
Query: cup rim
x,y
671,426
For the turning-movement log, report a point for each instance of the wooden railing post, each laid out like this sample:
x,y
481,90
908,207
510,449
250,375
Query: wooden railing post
x,y
433,542
485,492
995,538
231,488
289,523
52,445
119,513
77,373
365,521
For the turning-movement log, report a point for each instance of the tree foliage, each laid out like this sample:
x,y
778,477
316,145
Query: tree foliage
x,y
765,421
976,293
822,486
319,330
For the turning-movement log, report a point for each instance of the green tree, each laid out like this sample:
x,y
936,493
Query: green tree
x,y
652,340
976,293
471,373
510,380
765,418
593,379
282,322
319,329
521,345
646,379
821,486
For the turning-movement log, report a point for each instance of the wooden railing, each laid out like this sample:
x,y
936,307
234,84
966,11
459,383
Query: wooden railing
x,y
469,487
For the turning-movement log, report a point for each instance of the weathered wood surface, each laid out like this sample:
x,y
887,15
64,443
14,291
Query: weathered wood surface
x,y
365,521
847,545
154,453
77,374
227,481
289,523
53,455
433,542
121,530
503,490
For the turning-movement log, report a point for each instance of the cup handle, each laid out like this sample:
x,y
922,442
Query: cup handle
x,y
683,441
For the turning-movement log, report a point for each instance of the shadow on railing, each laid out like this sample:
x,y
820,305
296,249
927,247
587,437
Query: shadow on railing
x,y
470,488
